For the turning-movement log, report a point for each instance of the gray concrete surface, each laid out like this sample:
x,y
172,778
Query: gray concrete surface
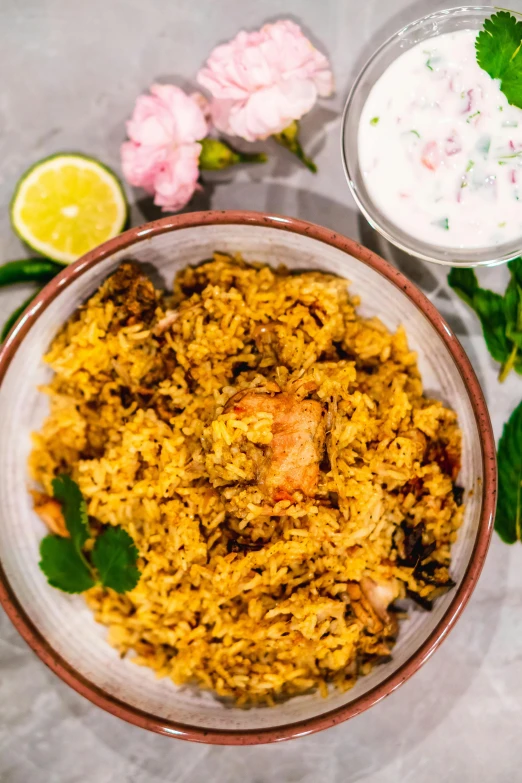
x,y
71,70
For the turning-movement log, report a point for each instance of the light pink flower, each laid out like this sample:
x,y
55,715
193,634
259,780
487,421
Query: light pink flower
x,y
264,80
162,156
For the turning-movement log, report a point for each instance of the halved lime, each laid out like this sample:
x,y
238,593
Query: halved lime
x,y
66,205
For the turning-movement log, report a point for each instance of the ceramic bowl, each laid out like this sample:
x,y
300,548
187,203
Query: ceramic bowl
x,y
62,630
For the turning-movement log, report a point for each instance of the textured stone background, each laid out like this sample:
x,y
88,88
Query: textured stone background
x,y
71,70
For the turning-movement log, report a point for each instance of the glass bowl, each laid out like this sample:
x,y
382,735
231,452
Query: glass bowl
x,y
450,20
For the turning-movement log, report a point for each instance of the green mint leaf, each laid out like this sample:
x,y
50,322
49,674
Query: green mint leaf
x,y
498,53
489,307
114,556
74,509
508,520
63,566
515,267
513,308
464,282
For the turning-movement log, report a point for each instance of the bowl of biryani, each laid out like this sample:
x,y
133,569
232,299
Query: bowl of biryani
x,y
298,447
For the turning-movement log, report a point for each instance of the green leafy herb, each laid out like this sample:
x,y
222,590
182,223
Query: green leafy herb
x,y
74,509
64,561
464,282
374,120
114,555
513,304
63,566
416,133
490,308
498,48
508,520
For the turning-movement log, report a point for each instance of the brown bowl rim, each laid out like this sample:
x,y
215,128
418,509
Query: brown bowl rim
x,y
145,720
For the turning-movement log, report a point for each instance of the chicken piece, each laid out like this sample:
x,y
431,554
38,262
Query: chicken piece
x,y
171,316
363,609
166,322
50,511
380,595
291,462
370,600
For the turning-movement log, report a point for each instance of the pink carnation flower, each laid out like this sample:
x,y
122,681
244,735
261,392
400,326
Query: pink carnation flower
x,y
162,156
263,81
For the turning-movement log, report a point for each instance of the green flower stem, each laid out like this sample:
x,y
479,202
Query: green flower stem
x,y
289,139
217,155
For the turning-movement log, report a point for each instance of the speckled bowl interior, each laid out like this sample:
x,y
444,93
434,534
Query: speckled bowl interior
x,y
62,629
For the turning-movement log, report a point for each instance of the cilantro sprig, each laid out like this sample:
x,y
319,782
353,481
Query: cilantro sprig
x,y
66,564
499,53
114,556
500,316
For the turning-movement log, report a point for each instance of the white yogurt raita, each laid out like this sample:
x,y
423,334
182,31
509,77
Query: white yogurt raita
x,y
440,148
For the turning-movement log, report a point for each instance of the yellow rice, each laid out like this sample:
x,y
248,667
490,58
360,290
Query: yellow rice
x,y
137,418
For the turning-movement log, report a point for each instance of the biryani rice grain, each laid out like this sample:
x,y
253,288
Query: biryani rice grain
x,y
254,598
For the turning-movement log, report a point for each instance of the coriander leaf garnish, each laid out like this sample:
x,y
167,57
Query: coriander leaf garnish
x,y
499,54
74,509
64,562
512,81
63,566
114,555
498,42
508,520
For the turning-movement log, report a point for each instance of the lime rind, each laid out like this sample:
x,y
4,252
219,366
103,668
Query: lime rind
x,y
56,161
